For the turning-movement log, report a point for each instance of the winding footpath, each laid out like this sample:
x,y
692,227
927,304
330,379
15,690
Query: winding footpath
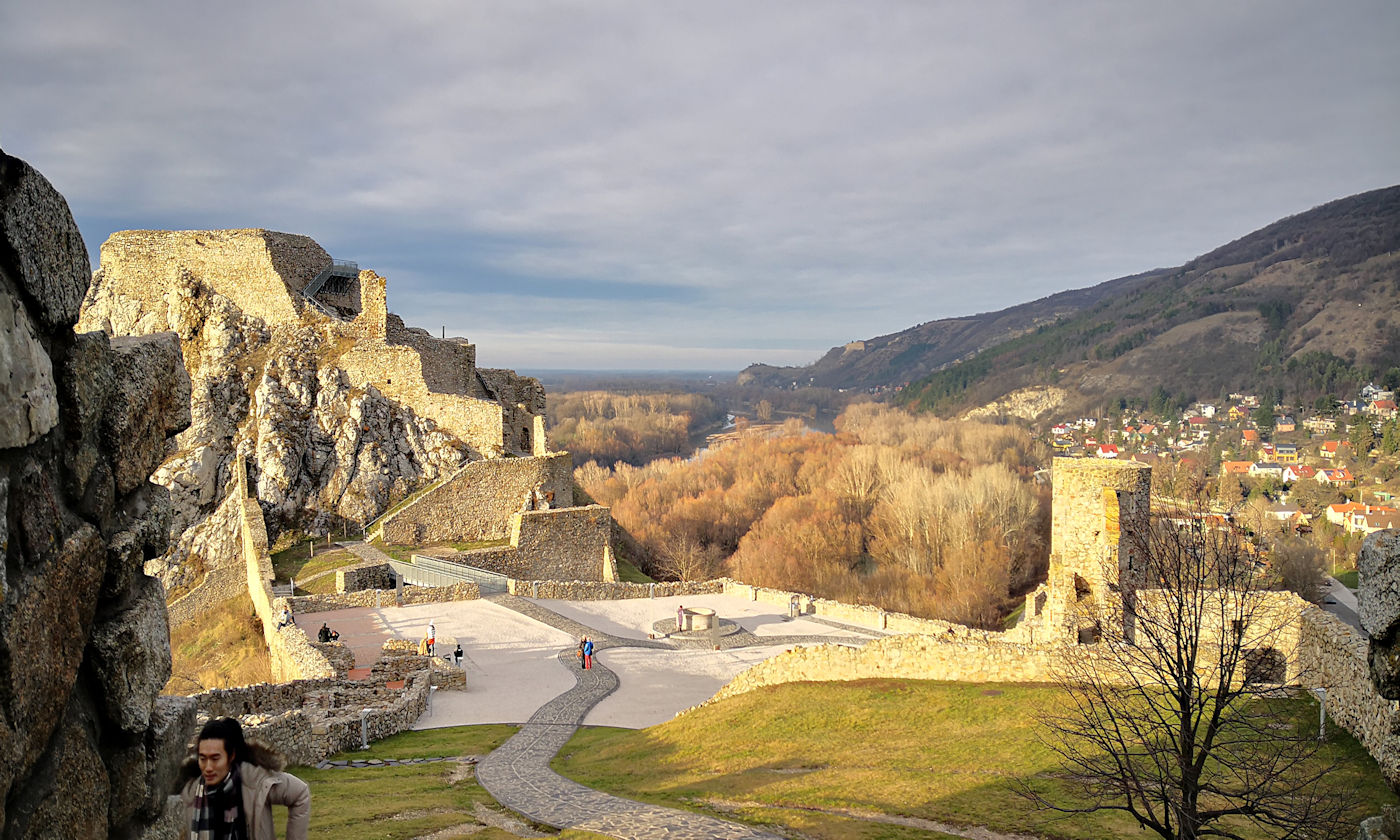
x,y
517,774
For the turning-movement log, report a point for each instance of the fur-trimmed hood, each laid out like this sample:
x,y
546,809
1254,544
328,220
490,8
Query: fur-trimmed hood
x,y
260,754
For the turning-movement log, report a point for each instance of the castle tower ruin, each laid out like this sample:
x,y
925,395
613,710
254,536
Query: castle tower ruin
x,y
1096,509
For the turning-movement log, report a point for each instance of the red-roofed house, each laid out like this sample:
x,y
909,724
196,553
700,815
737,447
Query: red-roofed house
x,y
1332,448
1382,408
1236,467
1341,476
1295,472
1250,435
1107,450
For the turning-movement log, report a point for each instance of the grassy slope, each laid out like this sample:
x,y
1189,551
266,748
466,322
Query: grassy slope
x,y
937,751
398,803
224,648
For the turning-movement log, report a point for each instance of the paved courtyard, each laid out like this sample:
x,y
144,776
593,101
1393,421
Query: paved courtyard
x,y
512,669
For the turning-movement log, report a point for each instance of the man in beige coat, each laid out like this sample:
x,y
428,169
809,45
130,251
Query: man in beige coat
x,y
232,785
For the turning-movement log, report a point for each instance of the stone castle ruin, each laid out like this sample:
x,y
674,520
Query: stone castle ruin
x,y
1097,506
338,412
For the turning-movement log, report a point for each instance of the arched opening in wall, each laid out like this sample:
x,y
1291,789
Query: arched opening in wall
x,y
1040,603
1082,590
525,438
1264,666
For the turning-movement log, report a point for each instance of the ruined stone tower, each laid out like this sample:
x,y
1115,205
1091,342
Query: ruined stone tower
x,y
1096,506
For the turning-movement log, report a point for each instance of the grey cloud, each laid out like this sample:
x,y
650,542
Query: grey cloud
x,y
809,172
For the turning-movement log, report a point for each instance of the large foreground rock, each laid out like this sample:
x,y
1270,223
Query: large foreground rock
x,y
1379,572
86,747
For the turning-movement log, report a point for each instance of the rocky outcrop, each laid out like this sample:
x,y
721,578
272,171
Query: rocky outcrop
x,y
1379,597
84,649
326,449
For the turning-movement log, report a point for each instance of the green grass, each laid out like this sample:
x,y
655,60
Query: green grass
x,y
1349,579
937,751
475,544
296,562
399,803
628,573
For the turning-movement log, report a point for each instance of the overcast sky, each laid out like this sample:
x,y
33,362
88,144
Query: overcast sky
x,y
706,184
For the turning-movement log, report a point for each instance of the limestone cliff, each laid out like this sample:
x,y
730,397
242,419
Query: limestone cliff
x,y
297,366
84,648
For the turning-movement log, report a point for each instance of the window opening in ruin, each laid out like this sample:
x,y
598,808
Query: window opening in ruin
x,y
1082,589
1090,635
1039,604
1264,666
525,437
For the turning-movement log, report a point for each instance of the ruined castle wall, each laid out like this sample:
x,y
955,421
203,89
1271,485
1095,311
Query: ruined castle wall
x,y
585,590
558,544
374,307
477,502
382,597
292,655
396,371
909,657
260,271
1333,657
309,720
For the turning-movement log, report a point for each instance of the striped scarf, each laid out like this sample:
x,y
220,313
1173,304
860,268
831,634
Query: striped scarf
x,y
218,812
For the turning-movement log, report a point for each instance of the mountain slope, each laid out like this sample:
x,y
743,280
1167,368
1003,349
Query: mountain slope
x,y
1274,308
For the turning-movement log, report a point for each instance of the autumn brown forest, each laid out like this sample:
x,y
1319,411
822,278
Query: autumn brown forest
x,y
935,518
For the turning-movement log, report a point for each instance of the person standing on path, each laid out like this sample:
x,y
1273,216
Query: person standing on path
x,y
680,618
579,652
432,638
230,786
587,653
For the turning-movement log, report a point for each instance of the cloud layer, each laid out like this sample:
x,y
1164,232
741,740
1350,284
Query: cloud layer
x,y
677,184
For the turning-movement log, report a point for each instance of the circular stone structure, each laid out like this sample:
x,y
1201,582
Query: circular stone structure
x,y
721,627
701,619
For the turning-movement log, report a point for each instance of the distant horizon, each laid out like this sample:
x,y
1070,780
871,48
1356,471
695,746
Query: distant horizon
x,y
706,186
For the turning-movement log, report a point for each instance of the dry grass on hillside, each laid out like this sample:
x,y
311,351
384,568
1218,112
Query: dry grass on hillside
x,y
224,648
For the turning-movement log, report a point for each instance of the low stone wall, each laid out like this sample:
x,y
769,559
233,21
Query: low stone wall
x,y
1333,657
217,587
302,604
902,657
378,576
309,720
591,590
476,502
860,615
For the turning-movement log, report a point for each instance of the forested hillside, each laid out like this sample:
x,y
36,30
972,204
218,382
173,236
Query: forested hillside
x,y
1304,306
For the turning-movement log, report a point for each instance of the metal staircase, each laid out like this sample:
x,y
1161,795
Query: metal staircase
x,y
337,268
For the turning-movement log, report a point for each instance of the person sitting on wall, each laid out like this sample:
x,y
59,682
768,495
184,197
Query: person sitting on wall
x,y
230,785
335,635
285,620
324,634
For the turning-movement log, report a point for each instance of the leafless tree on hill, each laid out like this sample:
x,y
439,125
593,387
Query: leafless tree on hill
x,y
1164,722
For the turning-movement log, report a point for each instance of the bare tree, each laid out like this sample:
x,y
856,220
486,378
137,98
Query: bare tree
x,y
1163,719
686,558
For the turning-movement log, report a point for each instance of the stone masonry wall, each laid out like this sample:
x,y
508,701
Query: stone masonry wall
x,y
378,576
382,597
292,654
308,720
562,543
261,271
396,371
477,502
1333,657
585,590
